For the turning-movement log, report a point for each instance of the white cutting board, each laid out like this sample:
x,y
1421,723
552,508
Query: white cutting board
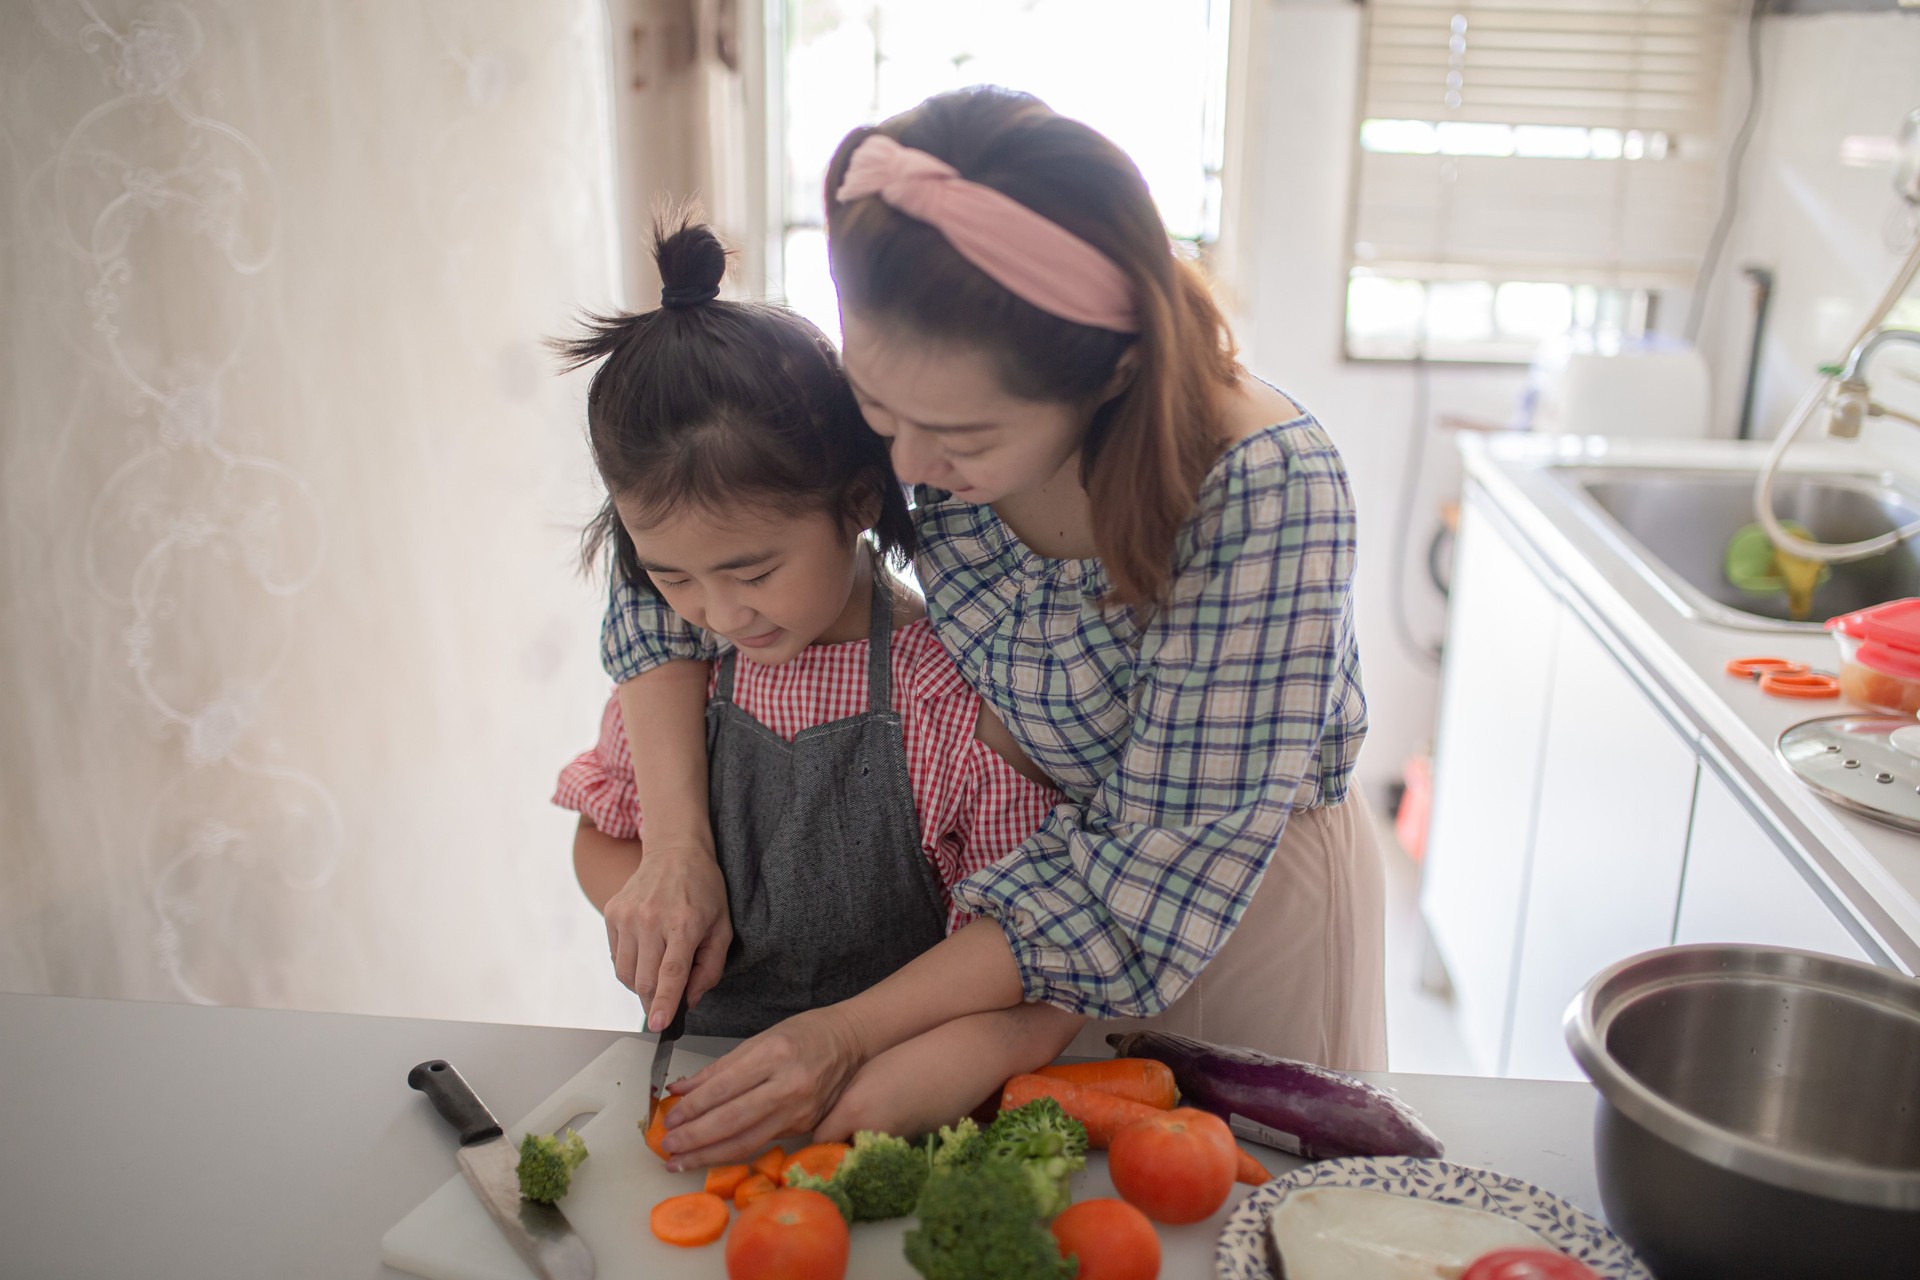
x,y
450,1237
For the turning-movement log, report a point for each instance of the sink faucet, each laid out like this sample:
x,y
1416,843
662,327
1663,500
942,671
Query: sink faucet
x,y
1851,403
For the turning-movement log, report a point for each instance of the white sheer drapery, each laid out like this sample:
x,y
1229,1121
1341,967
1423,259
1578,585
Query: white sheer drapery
x,y
291,646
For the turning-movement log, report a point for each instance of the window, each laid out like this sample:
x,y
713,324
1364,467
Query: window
x,y
1529,170
1150,74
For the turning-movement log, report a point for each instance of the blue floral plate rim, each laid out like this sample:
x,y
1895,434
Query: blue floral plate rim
x,y
1241,1252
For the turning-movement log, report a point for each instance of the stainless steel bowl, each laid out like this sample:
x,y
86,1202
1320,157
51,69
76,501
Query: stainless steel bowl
x,y
1759,1111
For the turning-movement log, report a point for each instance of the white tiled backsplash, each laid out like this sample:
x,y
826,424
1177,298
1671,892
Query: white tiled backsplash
x,y
1832,233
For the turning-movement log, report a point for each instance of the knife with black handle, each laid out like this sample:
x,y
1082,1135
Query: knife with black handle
x,y
540,1233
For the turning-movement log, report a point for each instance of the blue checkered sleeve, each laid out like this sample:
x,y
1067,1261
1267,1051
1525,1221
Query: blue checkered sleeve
x,y
1246,704
640,633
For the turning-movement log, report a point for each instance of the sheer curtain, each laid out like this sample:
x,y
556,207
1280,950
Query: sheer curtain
x,y
291,641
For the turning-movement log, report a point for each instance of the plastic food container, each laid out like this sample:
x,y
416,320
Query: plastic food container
x,y
1880,656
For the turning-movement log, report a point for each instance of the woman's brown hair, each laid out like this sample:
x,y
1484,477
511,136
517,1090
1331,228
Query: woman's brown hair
x,y
1150,446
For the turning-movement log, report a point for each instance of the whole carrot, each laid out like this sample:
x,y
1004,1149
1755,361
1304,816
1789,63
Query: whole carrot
x,y
1249,1170
1102,1113
1141,1079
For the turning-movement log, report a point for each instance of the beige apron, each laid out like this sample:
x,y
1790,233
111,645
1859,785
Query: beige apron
x,y
1304,974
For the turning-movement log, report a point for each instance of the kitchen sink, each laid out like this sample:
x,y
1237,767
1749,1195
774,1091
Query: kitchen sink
x,y
1675,524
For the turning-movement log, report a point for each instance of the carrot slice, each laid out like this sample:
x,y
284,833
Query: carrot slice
x,y
820,1159
771,1164
1247,1169
1102,1113
1141,1079
755,1186
690,1220
724,1179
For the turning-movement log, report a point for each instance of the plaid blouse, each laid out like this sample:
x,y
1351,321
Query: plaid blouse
x,y
1182,739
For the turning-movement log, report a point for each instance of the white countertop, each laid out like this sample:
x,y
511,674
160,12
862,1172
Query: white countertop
x,y
1872,870
164,1141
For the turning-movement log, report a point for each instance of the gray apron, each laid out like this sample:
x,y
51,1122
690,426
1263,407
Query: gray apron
x,y
827,884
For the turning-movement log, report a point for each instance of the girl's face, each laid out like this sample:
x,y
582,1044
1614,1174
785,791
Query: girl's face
x,y
949,421
770,582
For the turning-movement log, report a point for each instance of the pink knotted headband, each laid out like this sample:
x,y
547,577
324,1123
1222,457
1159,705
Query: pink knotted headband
x,y
1036,260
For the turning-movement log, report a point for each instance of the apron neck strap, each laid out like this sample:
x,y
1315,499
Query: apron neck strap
x,y
880,642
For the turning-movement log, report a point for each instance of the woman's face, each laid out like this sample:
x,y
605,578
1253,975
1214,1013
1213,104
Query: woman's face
x,y
948,420
770,582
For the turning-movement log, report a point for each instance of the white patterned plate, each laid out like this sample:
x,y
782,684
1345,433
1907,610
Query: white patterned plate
x,y
1242,1255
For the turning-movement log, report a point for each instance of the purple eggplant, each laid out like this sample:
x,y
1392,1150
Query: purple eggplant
x,y
1297,1107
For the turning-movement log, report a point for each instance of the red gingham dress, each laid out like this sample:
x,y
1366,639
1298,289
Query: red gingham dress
x,y
973,807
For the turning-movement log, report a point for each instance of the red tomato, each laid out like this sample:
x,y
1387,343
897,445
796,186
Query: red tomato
x,y
788,1234
1175,1167
1528,1264
1112,1239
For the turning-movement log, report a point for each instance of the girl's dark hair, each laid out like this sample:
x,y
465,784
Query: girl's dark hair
x,y
702,403
1150,446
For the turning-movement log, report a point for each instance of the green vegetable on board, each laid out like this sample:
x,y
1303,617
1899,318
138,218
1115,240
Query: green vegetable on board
x,y
547,1162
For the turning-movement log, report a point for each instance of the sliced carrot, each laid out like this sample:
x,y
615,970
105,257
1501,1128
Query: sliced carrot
x,y
724,1179
1249,1170
690,1220
751,1189
657,1126
1102,1113
772,1164
1141,1079
820,1159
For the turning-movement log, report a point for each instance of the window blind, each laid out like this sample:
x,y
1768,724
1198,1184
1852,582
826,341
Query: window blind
x,y
1601,164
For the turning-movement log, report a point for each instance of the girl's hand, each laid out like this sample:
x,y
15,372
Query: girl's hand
x,y
668,929
777,1083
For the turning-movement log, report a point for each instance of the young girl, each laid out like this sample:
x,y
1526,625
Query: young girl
x,y
1141,557
848,789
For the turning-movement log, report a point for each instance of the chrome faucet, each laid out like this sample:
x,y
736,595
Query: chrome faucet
x,y
1851,402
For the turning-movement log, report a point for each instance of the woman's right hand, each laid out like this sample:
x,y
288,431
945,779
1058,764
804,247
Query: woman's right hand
x,y
668,929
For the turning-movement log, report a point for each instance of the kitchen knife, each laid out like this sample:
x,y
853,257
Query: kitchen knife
x,y
539,1233
663,1058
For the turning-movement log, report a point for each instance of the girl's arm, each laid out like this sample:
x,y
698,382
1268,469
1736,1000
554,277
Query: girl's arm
x,y
602,863
935,1078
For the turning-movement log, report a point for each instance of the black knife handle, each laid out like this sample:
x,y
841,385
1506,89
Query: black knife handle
x,y
455,1100
678,1026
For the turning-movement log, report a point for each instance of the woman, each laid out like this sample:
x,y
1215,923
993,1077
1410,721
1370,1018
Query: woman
x,y
1142,559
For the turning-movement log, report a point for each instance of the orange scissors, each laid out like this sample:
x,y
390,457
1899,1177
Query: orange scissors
x,y
1784,679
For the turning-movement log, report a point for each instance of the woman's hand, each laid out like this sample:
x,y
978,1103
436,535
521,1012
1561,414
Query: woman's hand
x,y
668,929
777,1083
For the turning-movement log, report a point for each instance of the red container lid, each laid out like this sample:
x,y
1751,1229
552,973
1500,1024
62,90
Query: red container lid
x,y
1889,636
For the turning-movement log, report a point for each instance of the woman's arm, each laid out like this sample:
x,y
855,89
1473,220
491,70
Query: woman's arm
x,y
668,925
935,1078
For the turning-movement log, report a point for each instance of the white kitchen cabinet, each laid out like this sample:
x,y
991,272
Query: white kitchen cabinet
x,y
1493,712
1740,886
1609,843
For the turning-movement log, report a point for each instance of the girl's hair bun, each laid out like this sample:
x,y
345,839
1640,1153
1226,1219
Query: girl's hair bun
x,y
691,260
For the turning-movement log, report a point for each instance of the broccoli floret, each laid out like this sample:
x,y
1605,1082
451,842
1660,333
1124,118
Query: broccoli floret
x,y
547,1162
882,1175
958,1146
984,1220
830,1188
1050,1144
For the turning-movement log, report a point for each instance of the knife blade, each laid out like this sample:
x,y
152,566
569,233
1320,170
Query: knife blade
x,y
539,1233
663,1058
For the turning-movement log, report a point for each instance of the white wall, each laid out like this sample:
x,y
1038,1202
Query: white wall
x,y
1301,128
1828,231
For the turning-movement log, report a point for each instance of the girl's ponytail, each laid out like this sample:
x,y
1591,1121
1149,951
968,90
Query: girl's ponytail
x,y
691,261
